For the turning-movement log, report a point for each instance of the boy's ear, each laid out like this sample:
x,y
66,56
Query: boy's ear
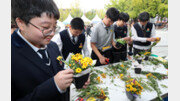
x,y
20,23
105,15
70,27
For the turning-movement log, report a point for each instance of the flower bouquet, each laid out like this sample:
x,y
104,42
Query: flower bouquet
x,y
93,93
156,42
133,89
81,65
154,84
163,61
142,56
120,42
139,58
159,60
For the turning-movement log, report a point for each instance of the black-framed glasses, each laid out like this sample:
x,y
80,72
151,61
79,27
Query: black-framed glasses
x,y
46,32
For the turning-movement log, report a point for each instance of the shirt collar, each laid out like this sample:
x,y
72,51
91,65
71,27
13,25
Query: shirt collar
x,y
103,24
141,25
32,46
70,34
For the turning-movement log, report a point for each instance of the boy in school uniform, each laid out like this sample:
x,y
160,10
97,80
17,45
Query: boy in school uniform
x,y
36,74
121,31
102,38
73,39
143,33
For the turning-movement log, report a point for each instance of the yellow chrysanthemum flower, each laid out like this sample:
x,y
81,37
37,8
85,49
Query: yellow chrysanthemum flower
x,y
102,92
78,70
131,88
91,99
59,58
107,99
132,83
85,64
121,75
103,75
128,85
122,65
147,53
98,79
83,67
157,39
134,89
127,89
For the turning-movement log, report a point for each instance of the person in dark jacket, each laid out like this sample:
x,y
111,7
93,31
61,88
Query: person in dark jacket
x,y
36,74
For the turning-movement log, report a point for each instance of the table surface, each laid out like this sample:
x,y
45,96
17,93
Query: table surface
x,y
117,93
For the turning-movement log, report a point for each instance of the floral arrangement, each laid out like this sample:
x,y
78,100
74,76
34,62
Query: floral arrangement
x,y
77,62
119,69
155,75
93,92
156,42
159,60
134,87
142,55
153,83
121,41
163,61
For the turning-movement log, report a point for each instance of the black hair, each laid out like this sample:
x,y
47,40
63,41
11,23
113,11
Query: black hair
x,y
144,16
124,16
28,9
112,13
77,23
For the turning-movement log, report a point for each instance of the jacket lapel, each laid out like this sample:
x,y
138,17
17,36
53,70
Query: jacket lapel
x,y
25,50
53,57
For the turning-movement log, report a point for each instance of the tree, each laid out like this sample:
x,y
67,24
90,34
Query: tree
x,y
75,10
163,9
90,14
100,13
135,7
63,14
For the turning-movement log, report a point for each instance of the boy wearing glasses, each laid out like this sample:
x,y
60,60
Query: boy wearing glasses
x,y
36,75
73,39
102,38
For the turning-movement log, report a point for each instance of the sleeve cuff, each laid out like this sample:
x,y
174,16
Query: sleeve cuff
x,y
60,91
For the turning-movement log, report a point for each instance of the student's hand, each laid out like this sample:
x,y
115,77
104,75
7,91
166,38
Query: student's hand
x,y
64,78
102,60
130,41
87,83
151,39
158,38
127,39
114,45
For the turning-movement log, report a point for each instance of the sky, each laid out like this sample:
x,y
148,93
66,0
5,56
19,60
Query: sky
x,y
85,5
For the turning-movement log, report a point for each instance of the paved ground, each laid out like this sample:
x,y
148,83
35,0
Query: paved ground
x,y
162,47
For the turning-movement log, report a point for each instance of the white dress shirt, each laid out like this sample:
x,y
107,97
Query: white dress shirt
x,y
60,44
36,50
141,39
